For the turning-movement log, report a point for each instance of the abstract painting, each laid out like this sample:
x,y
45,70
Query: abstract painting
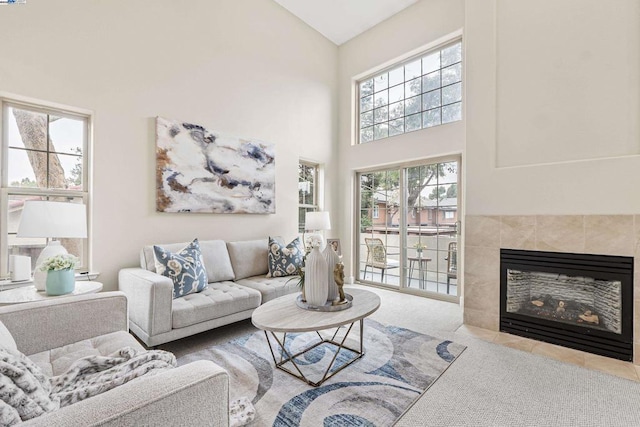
x,y
198,170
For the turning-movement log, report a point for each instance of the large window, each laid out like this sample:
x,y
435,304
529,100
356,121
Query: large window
x,y
307,191
44,157
418,94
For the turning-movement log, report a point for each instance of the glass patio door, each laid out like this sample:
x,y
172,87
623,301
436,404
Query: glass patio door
x,y
408,228
430,232
379,230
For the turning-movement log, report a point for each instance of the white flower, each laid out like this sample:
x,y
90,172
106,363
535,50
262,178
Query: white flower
x,y
313,241
59,262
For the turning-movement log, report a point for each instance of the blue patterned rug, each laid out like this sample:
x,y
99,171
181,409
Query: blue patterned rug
x,y
399,365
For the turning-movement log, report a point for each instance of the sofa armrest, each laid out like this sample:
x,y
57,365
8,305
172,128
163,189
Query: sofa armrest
x,y
150,299
196,394
44,325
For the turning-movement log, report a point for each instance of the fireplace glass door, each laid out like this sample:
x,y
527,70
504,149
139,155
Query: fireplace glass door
x,y
582,301
574,300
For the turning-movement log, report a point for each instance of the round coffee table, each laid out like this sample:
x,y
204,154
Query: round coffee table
x,y
283,315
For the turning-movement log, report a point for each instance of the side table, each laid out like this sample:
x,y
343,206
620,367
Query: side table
x,y
30,294
422,269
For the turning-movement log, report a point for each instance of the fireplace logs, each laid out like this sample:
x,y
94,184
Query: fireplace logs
x,y
570,311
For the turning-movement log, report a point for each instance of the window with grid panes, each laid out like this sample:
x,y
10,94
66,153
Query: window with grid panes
x,y
44,152
307,191
417,94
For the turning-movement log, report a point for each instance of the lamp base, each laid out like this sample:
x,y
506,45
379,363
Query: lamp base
x,y
52,249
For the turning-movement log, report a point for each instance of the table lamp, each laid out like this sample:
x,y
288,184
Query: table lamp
x,y
51,220
318,221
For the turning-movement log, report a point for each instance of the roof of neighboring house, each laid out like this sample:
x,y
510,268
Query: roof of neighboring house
x,y
17,204
449,203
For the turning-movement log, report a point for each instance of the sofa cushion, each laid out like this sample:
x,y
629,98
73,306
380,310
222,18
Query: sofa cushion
x,y
214,255
185,268
284,260
271,287
249,257
6,339
58,360
217,300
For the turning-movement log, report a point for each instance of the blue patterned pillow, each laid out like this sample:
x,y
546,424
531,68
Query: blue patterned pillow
x,y
284,260
185,268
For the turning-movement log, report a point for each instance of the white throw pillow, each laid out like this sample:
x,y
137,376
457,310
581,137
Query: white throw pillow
x,y
6,339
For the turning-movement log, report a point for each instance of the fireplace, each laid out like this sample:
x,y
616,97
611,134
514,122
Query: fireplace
x,y
579,301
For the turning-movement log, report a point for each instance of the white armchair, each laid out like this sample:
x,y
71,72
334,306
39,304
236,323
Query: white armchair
x,y
66,329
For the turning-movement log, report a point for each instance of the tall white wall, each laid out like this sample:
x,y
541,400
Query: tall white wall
x,y
245,68
414,27
553,107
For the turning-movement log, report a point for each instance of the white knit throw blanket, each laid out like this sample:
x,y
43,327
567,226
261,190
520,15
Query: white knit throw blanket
x,y
26,393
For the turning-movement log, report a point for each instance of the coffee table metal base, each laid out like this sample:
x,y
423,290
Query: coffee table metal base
x,y
327,373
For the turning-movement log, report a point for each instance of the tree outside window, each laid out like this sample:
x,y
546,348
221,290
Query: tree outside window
x,y
417,94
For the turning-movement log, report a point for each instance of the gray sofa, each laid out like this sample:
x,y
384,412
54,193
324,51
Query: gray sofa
x,y
56,332
237,286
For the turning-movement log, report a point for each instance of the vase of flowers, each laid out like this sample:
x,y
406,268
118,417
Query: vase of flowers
x,y
419,247
60,274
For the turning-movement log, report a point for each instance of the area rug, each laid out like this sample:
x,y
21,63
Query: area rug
x,y
398,366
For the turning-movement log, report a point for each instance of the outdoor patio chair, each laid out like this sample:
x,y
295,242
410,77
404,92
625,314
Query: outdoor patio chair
x,y
377,257
452,264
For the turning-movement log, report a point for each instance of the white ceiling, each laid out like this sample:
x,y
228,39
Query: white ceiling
x,y
341,20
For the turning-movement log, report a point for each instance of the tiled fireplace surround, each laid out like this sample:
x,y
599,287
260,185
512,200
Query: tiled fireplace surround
x,y
591,234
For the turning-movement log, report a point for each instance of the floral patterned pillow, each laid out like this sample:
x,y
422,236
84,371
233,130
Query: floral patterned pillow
x,y
184,267
285,260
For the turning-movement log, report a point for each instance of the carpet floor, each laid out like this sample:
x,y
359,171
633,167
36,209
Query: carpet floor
x,y
489,384
399,365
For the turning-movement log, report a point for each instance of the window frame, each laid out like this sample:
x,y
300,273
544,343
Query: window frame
x,y
7,191
313,207
421,53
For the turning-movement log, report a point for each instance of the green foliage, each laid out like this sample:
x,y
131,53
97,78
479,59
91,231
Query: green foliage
x,y
452,191
24,182
438,192
385,186
365,221
76,171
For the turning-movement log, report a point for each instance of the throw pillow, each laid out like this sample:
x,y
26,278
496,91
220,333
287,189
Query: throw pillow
x,y
6,339
185,268
25,389
284,260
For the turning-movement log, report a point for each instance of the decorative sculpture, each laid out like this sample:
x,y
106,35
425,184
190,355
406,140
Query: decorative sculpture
x,y
338,275
332,260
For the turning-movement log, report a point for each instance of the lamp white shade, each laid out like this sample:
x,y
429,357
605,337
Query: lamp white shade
x,y
53,220
317,221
